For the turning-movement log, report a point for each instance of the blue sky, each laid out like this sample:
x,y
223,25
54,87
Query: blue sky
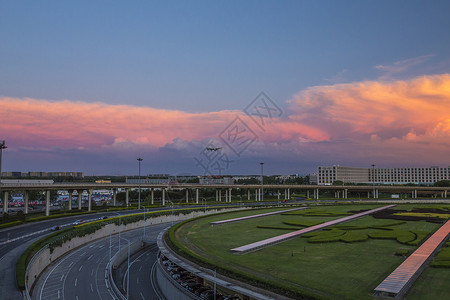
x,y
211,56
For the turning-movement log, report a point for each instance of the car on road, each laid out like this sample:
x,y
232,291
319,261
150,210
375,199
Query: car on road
x,y
77,222
55,228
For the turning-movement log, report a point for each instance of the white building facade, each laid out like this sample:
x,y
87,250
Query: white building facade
x,y
327,175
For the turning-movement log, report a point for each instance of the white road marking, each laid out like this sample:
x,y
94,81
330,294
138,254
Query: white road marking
x,y
81,267
76,280
142,296
62,277
59,295
90,257
92,289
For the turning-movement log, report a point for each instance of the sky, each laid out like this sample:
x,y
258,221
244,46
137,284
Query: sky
x,y
90,86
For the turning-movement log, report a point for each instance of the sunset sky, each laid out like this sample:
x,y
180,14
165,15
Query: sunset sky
x,y
90,87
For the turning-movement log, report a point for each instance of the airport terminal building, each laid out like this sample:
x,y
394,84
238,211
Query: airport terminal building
x,y
327,175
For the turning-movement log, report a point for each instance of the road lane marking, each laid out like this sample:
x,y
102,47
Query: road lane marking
x,y
81,267
142,296
90,257
76,280
92,289
59,296
62,277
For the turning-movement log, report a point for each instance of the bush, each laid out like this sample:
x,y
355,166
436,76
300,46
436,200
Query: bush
x,y
402,236
277,227
401,252
354,236
326,236
420,236
10,224
442,259
302,223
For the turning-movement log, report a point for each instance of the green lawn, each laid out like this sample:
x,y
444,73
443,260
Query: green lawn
x,y
328,270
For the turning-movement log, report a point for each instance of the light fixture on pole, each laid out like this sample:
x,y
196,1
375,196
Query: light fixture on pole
x,y
373,179
139,199
2,146
262,181
128,268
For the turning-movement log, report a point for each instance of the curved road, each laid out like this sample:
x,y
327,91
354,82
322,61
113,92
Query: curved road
x,y
14,241
81,273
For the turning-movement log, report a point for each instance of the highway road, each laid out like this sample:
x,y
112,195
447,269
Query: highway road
x,y
15,240
81,273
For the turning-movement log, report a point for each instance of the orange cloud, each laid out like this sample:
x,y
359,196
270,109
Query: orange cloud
x,y
396,121
405,122
391,110
69,124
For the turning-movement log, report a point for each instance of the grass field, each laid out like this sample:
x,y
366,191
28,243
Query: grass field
x,y
326,270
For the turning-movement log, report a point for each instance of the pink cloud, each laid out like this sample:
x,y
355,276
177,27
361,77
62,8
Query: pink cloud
x,y
401,121
69,124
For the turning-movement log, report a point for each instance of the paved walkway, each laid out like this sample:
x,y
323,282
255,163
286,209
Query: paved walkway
x,y
396,284
255,216
287,236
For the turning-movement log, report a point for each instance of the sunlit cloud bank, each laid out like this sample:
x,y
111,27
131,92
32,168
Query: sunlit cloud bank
x,y
407,122
388,123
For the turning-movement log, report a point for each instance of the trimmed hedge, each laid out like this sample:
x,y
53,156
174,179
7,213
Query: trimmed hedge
x,y
275,287
10,224
402,236
302,223
276,227
401,252
354,236
442,259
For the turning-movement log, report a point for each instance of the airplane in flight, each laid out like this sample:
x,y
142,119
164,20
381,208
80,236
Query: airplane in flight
x,y
213,148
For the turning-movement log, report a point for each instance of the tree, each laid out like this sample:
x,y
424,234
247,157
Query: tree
x,y
443,183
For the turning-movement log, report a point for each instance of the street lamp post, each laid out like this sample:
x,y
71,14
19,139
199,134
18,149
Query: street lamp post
x,y
373,179
171,204
2,146
128,268
204,203
139,199
262,181
145,211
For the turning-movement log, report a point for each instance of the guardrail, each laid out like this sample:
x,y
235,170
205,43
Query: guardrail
x,y
111,281
33,259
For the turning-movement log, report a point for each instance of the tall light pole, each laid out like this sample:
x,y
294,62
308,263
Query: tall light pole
x,y
139,199
2,146
373,179
262,181
128,269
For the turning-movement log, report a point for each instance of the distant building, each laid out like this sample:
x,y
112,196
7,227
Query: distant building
x,y
147,181
327,175
42,174
216,180
313,178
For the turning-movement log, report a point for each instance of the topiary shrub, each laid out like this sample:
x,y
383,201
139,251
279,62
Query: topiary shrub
x,y
353,236
401,252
